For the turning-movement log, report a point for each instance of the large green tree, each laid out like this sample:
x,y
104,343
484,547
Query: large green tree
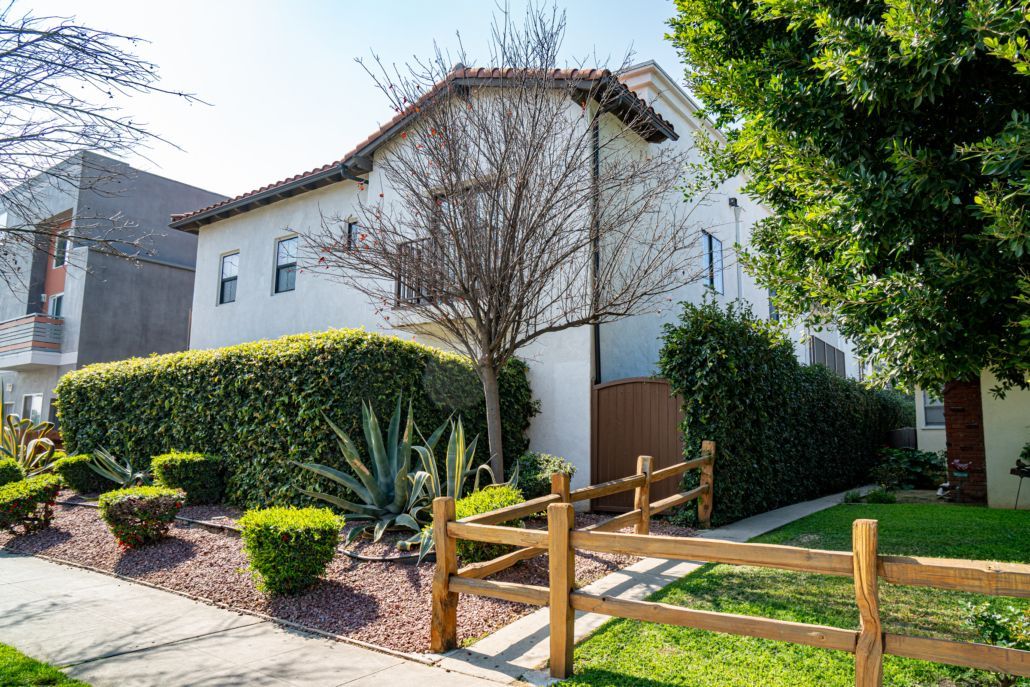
x,y
891,140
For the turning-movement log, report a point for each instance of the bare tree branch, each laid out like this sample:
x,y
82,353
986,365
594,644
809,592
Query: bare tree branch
x,y
58,83
519,201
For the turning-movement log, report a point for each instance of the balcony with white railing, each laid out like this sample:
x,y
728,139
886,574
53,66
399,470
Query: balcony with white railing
x,y
30,341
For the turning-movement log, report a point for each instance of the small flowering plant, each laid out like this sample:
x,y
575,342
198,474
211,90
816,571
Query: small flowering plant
x,y
140,515
28,503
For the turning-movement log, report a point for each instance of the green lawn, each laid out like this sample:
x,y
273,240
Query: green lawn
x,y
18,670
648,655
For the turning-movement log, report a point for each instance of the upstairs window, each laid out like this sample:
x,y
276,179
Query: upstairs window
x,y
227,279
712,257
822,353
933,408
55,305
286,264
60,250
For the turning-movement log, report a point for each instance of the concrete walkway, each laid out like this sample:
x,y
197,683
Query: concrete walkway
x,y
107,631
520,650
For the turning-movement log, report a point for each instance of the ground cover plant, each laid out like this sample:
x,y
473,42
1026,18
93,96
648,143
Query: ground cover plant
x,y
18,670
140,515
10,471
251,403
627,653
909,468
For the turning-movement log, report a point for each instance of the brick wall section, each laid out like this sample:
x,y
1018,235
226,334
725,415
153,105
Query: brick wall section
x,y
963,421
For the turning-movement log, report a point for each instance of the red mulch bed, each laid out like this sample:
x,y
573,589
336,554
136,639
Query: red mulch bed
x,y
387,604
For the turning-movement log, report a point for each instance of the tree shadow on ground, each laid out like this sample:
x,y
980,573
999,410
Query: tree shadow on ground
x,y
330,606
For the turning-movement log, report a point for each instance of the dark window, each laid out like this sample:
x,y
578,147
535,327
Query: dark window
x,y
712,249
286,265
227,279
822,353
774,314
60,250
56,305
352,235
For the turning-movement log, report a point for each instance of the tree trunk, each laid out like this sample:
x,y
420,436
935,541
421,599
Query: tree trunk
x,y
492,396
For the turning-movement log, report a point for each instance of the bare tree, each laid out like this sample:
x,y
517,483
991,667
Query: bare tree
x,y
518,201
59,81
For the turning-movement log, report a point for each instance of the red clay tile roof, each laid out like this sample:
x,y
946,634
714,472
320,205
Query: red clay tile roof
x,y
328,173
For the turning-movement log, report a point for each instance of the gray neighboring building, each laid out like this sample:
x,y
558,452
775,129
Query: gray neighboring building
x,y
72,304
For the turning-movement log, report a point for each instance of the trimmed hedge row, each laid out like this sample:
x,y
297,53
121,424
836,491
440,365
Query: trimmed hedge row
x,y
784,432
259,405
78,475
201,477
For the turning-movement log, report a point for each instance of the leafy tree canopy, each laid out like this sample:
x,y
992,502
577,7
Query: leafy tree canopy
x,y
891,140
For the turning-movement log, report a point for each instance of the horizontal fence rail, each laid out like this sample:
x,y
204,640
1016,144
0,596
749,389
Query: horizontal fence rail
x,y
562,539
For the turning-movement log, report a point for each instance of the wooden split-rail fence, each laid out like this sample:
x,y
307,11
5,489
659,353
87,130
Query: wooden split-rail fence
x,y
562,539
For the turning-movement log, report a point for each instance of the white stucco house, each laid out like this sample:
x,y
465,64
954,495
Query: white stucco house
x,y
250,286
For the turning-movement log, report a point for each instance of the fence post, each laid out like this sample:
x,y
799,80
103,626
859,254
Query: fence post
x,y
562,574
560,486
443,633
704,503
642,496
869,650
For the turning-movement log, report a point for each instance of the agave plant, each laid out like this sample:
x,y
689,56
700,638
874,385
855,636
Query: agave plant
x,y
26,442
458,463
388,494
122,474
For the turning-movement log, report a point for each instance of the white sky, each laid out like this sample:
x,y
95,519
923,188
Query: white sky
x,y
286,95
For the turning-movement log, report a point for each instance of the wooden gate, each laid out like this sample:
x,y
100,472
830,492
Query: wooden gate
x,y
629,418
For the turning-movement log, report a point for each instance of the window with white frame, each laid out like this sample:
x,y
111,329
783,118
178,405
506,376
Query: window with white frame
x,y
933,408
55,305
32,407
286,264
712,261
230,270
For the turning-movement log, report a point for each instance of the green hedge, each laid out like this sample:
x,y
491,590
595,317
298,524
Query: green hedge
x,y
784,432
28,503
484,501
138,516
259,405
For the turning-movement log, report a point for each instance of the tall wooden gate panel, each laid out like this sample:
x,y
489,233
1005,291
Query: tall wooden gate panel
x,y
633,417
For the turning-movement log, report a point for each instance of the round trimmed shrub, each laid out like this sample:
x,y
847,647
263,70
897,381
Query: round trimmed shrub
x,y
290,548
535,470
76,473
483,501
140,515
28,503
201,476
10,471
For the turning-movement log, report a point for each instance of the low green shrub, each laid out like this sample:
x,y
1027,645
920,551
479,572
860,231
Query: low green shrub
x,y
252,403
201,476
28,503
483,501
909,468
10,471
140,515
784,432
76,473
535,470
880,496
290,548
853,496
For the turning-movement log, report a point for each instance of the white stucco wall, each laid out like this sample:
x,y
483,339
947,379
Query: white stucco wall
x,y
1006,430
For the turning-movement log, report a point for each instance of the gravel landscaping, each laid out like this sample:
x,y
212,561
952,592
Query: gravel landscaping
x,y
387,604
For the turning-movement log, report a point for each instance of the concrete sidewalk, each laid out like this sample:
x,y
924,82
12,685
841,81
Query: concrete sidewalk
x,y
108,632
520,650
